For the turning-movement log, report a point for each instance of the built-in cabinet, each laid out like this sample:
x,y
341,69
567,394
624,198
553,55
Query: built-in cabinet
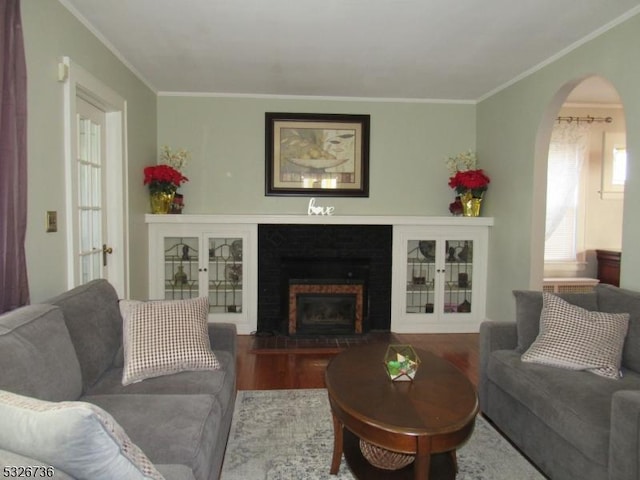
x,y
213,261
439,267
439,279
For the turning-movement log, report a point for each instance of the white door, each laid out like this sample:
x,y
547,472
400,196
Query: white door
x,y
91,251
95,173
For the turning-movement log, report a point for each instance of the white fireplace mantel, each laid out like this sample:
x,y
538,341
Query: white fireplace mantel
x,y
257,219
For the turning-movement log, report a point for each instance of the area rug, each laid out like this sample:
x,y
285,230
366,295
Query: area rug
x,y
288,434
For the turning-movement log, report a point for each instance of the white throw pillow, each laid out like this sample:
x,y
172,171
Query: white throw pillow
x,y
578,339
77,438
166,337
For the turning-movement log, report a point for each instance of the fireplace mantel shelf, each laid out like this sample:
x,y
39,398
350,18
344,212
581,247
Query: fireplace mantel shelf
x,y
257,219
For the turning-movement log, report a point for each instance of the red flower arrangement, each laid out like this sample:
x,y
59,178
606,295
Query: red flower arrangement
x,y
163,178
475,181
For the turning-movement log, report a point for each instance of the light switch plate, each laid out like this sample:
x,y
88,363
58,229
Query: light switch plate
x,y
52,221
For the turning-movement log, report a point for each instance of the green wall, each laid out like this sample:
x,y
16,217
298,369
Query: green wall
x,y
512,138
51,32
409,145
409,142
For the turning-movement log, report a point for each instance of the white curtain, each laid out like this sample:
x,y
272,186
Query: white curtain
x,y
567,153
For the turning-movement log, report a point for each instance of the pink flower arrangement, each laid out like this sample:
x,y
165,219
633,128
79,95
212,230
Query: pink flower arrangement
x,y
163,178
475,181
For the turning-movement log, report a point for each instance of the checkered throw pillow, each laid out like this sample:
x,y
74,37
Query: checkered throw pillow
x,y
78,438
574,338
165,337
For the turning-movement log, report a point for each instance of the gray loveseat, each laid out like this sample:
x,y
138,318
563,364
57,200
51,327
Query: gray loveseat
x,y
571,424
71,349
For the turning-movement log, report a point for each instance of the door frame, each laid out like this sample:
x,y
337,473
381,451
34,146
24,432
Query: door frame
x,y
80,83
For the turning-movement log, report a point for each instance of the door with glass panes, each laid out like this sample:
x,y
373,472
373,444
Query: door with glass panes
x,y
439,276
438,281
208,265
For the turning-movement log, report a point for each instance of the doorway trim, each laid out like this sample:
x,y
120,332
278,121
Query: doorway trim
x,y
541,154
80,83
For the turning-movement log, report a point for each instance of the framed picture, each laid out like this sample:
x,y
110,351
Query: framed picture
x,y
309,154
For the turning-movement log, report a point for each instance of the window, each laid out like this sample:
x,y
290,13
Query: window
x,y
614,165
567,153
90,191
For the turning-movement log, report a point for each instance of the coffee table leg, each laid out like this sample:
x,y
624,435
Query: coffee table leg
x,y
454,457
422,463
338,444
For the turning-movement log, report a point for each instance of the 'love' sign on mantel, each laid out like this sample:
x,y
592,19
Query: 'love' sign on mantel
x,y
318,210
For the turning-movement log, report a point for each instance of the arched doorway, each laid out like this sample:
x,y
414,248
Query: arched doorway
x,y
574,225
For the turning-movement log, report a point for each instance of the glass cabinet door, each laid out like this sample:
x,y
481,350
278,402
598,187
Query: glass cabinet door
x,y
439,276
458,274
181,268
421,276
225,274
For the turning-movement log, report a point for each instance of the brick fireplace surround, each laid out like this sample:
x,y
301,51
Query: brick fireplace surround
x,y
338,256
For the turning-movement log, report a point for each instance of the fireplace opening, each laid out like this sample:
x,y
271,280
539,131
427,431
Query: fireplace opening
x,y
329,307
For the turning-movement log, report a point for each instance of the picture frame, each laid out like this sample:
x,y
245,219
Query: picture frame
x,y
316,154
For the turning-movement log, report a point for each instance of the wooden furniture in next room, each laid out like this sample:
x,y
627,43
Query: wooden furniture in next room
x,y
609,266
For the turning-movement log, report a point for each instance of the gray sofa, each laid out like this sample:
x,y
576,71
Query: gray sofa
x,y
71,349
571,424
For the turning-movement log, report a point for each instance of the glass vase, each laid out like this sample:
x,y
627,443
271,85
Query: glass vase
x,y
161,202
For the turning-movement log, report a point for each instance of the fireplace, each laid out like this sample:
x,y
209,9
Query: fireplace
x,y
330,306
324,279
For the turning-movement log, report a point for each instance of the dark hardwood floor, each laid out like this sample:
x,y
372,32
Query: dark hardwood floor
x,y
290,367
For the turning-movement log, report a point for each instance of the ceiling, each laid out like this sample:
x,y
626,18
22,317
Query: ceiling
x,y
450,50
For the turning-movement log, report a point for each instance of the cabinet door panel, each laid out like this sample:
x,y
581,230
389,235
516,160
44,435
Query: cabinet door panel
x,y
181,271
439,280
421,276
458,275
225,274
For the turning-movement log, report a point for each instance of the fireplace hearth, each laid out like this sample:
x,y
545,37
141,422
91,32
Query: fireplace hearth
x,y
318,280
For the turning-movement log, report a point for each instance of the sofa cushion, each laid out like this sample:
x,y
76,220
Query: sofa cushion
x,y
190,438
93,318
575,404
37,357
165,337
529,307
175,472
619,300
213,382
578,339
78,438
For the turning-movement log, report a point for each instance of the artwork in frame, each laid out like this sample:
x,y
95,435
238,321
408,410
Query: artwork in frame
x,y
309,154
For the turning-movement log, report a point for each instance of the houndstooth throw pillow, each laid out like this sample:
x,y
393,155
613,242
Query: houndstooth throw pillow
x,y
578,339
78,438
165,337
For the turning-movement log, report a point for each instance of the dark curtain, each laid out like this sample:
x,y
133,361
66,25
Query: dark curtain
x,y
14,288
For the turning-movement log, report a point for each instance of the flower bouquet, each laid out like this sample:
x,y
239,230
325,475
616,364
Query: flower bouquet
x,y
177,159
469,182
163,181
474,181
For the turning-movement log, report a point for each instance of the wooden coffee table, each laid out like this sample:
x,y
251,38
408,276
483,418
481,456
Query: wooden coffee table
x,y
429,417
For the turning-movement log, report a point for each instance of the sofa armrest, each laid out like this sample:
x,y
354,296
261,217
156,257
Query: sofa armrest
x,y
624,446
493,336
497,336
223,337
